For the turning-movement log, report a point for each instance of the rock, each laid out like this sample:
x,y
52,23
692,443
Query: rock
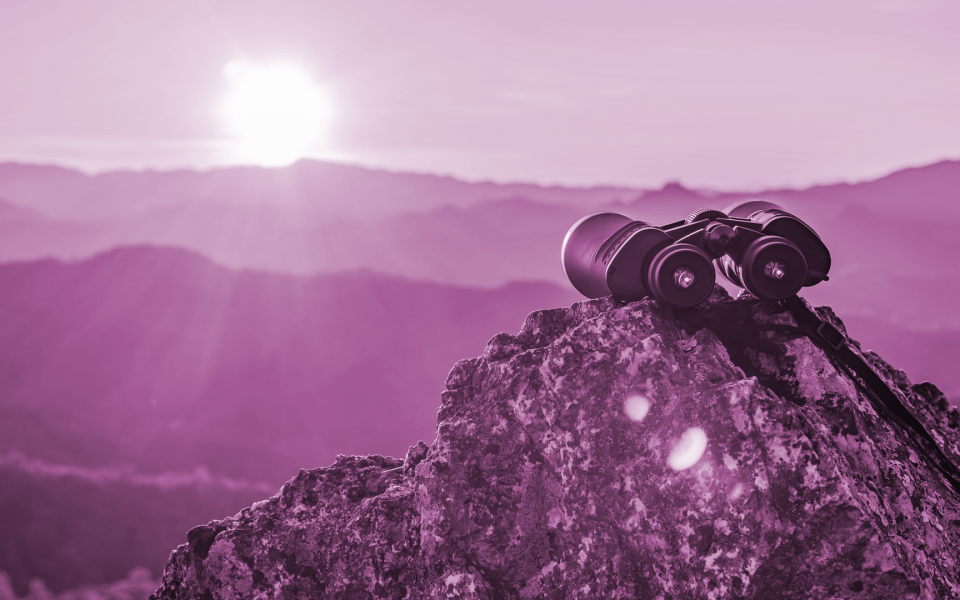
x,y
617,451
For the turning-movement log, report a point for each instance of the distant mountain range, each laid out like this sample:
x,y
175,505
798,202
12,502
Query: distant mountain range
x,y
161,359
307,189
307,218
250,322
70,526
153,362
893,240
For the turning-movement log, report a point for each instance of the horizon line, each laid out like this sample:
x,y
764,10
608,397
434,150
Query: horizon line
x,y
668,182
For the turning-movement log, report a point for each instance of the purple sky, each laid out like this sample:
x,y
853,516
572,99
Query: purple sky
x,y
732,94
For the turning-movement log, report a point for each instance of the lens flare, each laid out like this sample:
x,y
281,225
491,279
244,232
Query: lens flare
x,y
688,450
775,270
684,277
736,492
636,407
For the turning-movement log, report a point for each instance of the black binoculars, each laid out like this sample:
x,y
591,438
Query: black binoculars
x,y
754,244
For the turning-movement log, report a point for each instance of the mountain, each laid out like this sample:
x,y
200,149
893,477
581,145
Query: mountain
x,y
68,526
292,316
928,194
622,451
893,239
307,187
143,390
161,359
306,218
924,355
10,212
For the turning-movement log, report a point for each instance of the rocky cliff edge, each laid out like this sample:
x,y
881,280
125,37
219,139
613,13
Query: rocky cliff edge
x,y
615,451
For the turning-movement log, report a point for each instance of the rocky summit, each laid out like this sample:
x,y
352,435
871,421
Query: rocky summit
x,y
619,451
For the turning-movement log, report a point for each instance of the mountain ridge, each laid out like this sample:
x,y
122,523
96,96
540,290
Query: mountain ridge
x,y
139,335
148,365
302,183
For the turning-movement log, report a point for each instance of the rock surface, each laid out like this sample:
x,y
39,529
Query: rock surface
x,y
613,451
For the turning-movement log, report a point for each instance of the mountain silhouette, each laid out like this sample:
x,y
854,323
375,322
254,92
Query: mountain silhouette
x,y
893,239
161,359
123,372
250,322
307,187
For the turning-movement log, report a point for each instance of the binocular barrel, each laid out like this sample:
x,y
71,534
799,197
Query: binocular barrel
x,y
756,245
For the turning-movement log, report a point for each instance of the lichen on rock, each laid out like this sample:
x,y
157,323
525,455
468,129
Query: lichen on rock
x,y
618,451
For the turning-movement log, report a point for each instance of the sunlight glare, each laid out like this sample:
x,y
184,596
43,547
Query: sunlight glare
x,y
688,450
737,491
276,111
636,407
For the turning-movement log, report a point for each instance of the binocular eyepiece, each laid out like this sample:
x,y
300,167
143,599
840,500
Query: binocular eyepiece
x,y
755,244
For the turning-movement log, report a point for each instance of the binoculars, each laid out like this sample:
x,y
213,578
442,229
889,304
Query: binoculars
x,y
755,244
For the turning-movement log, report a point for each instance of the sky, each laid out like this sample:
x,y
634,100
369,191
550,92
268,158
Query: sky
x,y
727,95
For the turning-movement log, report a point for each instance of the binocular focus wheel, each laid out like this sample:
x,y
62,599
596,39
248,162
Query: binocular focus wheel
x,y
773,268
681,274
704,214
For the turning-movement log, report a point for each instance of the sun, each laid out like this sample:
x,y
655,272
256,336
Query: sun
x,y
276,112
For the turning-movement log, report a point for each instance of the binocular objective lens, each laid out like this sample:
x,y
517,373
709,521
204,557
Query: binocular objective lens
x,y
681,274
775,270
684,277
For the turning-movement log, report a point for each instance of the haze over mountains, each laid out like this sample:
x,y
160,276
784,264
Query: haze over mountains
x,y
893,239
249,322
158,358
154,363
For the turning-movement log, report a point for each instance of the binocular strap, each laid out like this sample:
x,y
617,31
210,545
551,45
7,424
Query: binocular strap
x,y
835,345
